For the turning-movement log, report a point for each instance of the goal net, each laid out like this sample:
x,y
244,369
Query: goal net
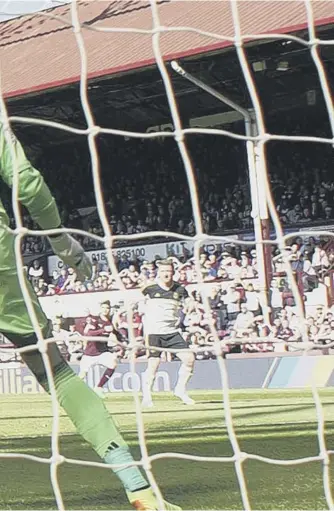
x,y
274,257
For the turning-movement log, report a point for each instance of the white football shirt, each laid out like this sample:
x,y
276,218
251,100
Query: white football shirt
x,y
162,308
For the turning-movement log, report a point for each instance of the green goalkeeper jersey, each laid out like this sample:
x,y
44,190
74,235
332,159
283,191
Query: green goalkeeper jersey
x,y
36,197
32,192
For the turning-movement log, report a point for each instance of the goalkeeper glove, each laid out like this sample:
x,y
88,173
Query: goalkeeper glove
x,y
145,500
72,254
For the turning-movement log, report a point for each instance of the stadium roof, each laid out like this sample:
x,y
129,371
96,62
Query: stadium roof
x,y
39,52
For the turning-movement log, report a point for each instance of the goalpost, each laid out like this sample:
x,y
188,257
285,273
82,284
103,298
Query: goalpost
x,y
263,206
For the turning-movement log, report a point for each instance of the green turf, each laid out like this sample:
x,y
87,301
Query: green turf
x,y
276,424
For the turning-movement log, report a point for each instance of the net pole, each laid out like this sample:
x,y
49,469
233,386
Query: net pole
x,y
260,220
258,197
210,90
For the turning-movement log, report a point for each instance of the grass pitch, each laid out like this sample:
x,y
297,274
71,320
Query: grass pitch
x,y
276,424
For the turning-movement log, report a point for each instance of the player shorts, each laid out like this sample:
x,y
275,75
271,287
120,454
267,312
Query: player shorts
x,y
173,341
106,359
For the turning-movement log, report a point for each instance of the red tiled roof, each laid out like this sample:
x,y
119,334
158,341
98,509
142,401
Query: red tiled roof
x,y
39,51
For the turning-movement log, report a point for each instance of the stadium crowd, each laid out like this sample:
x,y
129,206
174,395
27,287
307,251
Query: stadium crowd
x,y
145,186
147,190
234,296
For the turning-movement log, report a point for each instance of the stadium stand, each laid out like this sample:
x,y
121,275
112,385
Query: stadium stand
x,y
300,175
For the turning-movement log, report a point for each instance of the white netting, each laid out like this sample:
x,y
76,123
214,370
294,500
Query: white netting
x,y
256,143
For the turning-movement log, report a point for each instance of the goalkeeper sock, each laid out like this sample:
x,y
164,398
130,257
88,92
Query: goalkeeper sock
x,y
131,477
86,410
93,422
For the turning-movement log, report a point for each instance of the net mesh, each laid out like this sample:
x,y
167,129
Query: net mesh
x,y
256,147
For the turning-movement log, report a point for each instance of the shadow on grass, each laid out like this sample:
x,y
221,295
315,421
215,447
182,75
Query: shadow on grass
x,y
192,484
73,443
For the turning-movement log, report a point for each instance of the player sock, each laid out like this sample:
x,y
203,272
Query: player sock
x,y
105,377
147,395
148,381
185,373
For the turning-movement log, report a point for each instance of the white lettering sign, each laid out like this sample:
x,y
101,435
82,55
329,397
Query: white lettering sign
x,y
21,381
129,382
142,252
18,381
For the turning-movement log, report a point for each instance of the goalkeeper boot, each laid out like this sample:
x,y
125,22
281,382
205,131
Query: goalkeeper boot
x,y
145,500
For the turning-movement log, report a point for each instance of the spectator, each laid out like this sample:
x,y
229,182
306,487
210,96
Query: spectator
x,y
252,300
320,261
244,320
232,301
70,283
35,272
310,278
276,298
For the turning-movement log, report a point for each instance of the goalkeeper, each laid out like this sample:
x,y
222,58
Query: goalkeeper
x,y
83,406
